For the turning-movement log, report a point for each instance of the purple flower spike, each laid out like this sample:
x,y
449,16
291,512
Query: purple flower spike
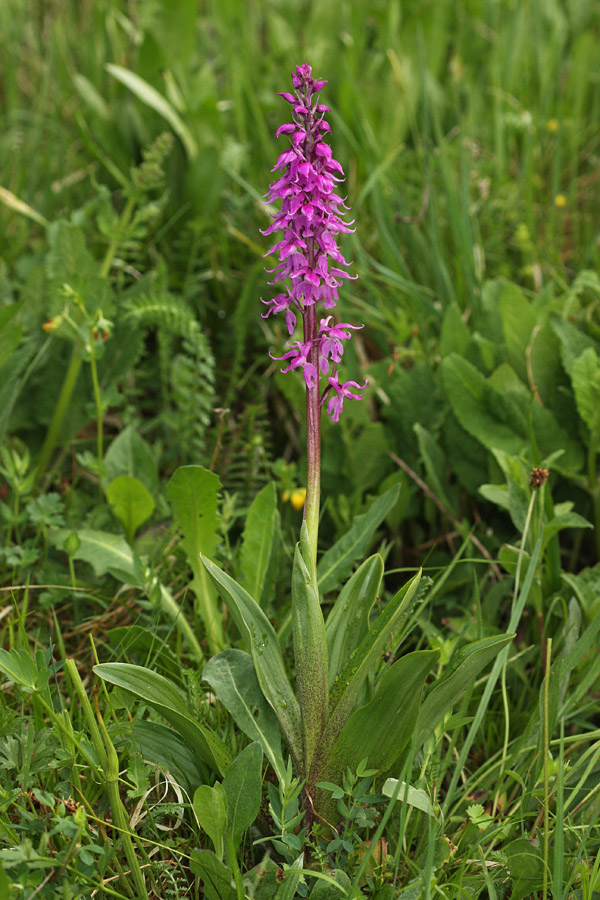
x,y
311,216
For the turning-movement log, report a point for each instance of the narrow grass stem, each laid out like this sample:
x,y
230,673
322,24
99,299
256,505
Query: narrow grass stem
x,y
118,812
88,712
546,771
60,411
233,864
519,599
99,411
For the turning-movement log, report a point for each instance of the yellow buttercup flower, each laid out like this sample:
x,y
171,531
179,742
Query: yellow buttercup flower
x,y
552,125
297,498
560,200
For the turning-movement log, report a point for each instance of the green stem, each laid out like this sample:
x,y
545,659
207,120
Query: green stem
x,y
595,485
99,411
546,774
233,865
175,613
88,712
118,812
58,416
313,434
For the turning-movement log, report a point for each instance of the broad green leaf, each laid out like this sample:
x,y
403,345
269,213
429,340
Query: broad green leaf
x,y
336,886
406,793
215,877
455,335
262,881
258,557
519,320
151,97
69,262
446,691
503,418
261,641
131,503
193,494
130,454
310,648
210,808
380,731
346,689
496,493
11,329
21,667
585,376
165,748
526,867
108,552
434,462
291,879
170,702
348,621
232,677
472,401
573,342
562,521
242,786
336,564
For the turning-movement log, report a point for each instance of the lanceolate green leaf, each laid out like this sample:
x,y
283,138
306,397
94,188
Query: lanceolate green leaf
x,y
336,564
164,747
585,376
242,785
347,686
232,677
210,808
380,731
214,875
259,545
193,494
168,700
261,640
310,648
445,692
348,622
151,97
108,552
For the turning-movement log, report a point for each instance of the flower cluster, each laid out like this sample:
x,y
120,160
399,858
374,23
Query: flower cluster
x,y
311,216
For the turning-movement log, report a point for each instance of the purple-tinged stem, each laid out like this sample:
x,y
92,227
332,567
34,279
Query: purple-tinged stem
x,y
313,435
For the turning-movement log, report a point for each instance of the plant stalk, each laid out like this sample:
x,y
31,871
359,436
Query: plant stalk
x,y
60,411
313,434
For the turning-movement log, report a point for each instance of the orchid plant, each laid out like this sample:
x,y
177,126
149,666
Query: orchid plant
x,y
349,708
327,722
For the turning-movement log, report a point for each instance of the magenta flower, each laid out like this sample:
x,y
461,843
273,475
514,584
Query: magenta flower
x,y
309,260
342,391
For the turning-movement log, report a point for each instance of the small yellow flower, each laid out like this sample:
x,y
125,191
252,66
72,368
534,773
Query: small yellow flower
x,y
552,125
560,201
297,498
52,324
